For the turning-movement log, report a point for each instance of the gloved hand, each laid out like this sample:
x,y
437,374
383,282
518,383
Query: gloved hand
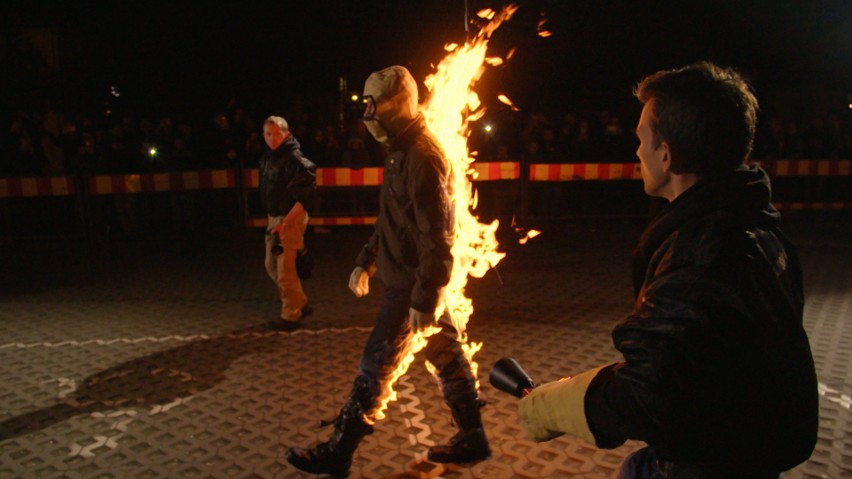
x,y
359,282
419,320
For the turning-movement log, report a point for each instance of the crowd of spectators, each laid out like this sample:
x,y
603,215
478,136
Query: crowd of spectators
x,y
49,143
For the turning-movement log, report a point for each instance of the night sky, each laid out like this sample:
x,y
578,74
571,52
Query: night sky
x,y
196,55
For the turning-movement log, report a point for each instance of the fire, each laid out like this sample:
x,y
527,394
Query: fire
x,y
451,105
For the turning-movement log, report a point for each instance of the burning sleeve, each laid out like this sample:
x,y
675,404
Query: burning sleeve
x,y
427,185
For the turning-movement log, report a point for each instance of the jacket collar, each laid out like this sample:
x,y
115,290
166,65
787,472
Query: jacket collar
x,y
744,195
409,134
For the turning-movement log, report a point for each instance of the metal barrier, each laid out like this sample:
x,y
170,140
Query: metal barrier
x,y
245,182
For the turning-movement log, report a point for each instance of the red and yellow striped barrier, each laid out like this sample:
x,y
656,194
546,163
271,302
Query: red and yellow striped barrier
x,y
810,168
500,170
331,177
159,182
585,171
346,177
813,205
37,186
260,222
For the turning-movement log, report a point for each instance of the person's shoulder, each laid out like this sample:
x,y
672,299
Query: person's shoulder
x,y
426,145
712,238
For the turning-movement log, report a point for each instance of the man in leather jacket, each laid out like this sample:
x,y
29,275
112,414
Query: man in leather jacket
x,y
287,182
410,252
717,377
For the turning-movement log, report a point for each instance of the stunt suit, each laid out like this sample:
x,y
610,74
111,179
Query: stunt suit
x,y
410,252
286,177
718,377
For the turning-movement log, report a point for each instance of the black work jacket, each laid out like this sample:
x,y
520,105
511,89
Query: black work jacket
x,y
286,177
411,244
717,373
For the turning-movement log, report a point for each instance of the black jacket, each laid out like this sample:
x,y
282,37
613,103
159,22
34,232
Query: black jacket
x,y
717,374
414,232
286,177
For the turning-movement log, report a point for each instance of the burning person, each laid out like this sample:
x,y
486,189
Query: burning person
x,y
410,251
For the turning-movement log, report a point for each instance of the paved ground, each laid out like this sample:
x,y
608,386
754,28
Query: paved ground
x,y
157,357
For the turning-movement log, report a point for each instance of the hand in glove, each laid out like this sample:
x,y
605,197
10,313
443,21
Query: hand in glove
x,y
419,320
359,282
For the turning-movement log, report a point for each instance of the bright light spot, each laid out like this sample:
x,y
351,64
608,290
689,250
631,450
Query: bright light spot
x,y
152,152
488,128
354,97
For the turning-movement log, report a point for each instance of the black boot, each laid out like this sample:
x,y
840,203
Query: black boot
x,y
334,457
470,443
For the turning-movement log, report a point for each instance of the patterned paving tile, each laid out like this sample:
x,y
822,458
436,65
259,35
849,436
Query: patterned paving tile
x,y
160,358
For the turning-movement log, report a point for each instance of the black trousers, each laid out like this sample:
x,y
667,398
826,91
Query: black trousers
x,y
385,349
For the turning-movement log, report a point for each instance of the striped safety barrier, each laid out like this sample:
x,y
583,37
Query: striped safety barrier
x,y
260,222
37,186
160,182
331,177
813,205
585,171
346,177
810,168
501,170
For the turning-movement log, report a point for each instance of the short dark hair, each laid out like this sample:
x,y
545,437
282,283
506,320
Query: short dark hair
x,y
706,113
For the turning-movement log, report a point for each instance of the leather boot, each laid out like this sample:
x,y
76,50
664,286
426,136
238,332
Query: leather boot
x,y
334,457
469,444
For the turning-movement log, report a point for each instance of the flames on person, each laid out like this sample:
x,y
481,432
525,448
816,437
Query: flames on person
x,y
452,103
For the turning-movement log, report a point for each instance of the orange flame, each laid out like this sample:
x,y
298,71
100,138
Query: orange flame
x,y
540,28
451,105
504,99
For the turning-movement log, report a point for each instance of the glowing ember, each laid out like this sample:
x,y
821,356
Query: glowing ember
x,y
451,105
530,235
541,31
505,100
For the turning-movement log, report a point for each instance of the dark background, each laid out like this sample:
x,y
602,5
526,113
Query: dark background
x,y
186,58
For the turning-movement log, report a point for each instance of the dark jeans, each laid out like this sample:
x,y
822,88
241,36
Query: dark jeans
x,y
385,347
643,464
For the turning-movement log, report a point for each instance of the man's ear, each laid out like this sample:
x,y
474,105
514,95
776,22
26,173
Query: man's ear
x,y
666,161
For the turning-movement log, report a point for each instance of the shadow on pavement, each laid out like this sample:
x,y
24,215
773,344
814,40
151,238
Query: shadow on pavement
x,y
157,379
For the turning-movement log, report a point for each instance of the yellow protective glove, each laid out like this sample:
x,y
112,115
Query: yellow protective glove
x,y
419,320
359,282
558,408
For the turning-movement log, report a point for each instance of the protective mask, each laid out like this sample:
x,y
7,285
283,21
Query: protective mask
x,y
377,130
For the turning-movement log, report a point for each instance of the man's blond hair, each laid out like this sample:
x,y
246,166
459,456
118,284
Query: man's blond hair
x,y
277,120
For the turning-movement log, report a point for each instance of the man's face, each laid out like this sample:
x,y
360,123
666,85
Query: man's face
x,y
370,118
273,135
654,162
